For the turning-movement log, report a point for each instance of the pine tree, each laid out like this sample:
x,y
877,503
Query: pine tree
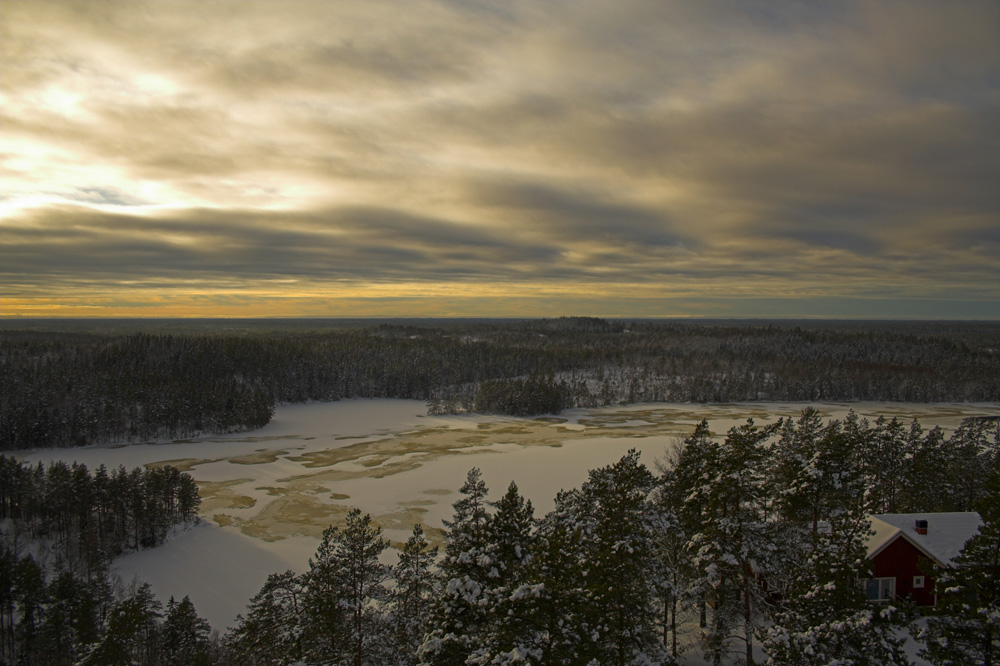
x,y
360,544
882,455
825,617
966,627
618,519
926,483
559,612
509,633
410,597
30,593
688,491
271,632
184,635
671,554
342,587
132,634
324,618
459,617
737,544
71,621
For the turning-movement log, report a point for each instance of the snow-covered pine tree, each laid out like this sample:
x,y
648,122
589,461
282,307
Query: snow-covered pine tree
x,y
974,448
737,544
817,472
271,632
345,579
509,636
966,627
925,482
71,621
410,598
618,521
886,455
324,617
672,556
688,488
795,478
132,633
825,617
359,546
459,617
559,611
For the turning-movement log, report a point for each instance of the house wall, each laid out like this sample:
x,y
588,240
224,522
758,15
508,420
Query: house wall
x,y
901,560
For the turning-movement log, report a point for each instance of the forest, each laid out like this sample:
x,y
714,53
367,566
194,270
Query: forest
x,y
758,539
60,529
74,384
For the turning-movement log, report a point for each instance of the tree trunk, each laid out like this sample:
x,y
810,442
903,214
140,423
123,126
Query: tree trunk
x,y
748,623
673,625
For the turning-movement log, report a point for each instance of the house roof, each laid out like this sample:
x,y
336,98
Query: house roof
x,y
945,538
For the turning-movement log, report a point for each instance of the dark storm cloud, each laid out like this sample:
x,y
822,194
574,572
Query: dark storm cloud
x,y
574,215
354,243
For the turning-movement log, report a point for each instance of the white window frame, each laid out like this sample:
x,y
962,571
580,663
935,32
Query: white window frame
x,y
918,582
884,589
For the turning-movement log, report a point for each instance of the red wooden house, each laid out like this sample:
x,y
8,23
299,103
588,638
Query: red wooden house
x,y
901,540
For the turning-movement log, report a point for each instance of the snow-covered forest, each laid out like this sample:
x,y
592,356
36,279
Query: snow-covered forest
x,y
70,384
61,529
760,539
754,543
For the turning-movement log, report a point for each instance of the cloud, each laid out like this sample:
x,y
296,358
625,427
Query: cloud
x,y
771,150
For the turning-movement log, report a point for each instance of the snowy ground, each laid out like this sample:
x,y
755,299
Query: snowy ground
x,y
268,495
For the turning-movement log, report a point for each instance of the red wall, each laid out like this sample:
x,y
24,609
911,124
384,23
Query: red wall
x,y
900,559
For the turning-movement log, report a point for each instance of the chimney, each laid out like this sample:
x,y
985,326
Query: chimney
x,y
921,527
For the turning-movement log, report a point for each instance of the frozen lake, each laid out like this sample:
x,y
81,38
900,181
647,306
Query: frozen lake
x,y
268,494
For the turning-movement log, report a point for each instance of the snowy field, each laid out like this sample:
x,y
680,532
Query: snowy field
x,y
268,495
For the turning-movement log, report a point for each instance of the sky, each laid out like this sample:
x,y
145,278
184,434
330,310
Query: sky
x,y
464,158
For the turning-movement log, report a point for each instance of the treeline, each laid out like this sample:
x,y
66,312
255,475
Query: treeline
x,y
760,538
60,528
69,389
91,518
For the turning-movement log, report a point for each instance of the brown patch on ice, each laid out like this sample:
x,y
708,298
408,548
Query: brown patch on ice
x,y
258,458
295,514
182,464
217,495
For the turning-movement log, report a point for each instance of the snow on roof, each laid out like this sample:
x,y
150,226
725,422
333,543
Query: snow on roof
x,y
945,538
